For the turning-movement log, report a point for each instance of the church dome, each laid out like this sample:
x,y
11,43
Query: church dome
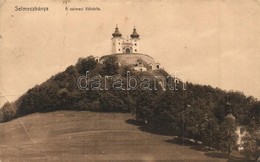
x,y
135,34
116,33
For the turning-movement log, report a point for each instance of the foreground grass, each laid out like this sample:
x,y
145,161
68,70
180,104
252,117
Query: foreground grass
x,y
91,136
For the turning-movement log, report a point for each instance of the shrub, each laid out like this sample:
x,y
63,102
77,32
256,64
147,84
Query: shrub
x,y
8,112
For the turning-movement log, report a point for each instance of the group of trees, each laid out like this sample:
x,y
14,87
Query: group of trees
x,y
202,113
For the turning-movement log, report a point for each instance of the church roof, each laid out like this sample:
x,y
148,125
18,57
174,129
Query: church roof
x,y
116,33
135,34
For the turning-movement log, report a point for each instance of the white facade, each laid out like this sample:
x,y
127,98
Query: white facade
x,y
116,45
136,45
122,45
127,51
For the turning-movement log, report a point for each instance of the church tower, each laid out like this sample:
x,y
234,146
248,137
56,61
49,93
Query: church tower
x,y
116,41
125,46
135,41
127,52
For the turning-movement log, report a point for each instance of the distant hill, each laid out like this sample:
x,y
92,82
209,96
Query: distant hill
x,y
198,112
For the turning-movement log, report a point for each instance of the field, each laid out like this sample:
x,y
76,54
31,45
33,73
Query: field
x,y
91,136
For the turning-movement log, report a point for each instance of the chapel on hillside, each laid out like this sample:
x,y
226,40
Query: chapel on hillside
x,y
127,52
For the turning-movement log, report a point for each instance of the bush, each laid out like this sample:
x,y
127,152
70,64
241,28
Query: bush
x,y
8,112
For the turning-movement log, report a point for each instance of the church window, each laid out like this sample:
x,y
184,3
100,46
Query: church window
x,y
135,44
118,49
135,50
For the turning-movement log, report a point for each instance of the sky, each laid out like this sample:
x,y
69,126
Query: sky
x,y
212,42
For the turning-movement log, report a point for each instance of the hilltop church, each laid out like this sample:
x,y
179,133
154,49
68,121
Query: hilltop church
x,y
127,52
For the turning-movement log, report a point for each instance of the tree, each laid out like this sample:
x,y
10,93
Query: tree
x,y
86,64
227,137
1,116
251,141
208,132
8,112
111,66
251,145
143,109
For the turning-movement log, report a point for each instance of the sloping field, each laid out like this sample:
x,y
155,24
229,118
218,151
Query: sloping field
x,y
88,136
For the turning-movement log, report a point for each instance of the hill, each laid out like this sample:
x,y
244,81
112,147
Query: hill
x,y
198,112
90,136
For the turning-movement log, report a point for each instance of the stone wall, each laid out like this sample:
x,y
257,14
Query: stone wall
x,y
132,59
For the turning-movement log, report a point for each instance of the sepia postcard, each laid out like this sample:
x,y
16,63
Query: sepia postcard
x,y
133,80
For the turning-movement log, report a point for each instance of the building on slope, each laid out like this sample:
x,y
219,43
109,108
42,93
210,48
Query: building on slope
x,y
127,52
